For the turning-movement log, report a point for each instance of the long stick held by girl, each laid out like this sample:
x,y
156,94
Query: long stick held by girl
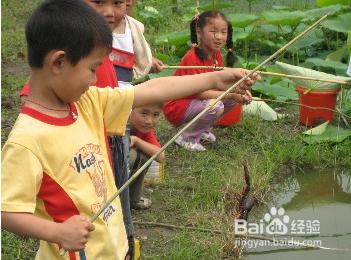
x,y
210,31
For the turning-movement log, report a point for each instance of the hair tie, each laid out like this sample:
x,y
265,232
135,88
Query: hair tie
x,y
196,17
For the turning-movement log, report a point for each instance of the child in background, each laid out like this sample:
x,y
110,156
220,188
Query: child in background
x,y
144,144
131,54
156,63
130,7
56,170
213,31
114,12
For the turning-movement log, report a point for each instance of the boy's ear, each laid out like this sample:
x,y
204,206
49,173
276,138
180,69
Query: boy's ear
x,y
56,60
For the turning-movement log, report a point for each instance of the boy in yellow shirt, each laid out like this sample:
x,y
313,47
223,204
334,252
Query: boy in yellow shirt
x,y
56,170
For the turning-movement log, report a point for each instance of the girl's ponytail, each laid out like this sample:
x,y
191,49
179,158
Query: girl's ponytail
x,y
193,36
231,58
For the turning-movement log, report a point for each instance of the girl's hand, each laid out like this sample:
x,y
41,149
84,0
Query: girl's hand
x,y
228,77
241,99
73,233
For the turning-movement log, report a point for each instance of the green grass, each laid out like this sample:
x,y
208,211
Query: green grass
x,y
15,247
195,187
197,184
13,17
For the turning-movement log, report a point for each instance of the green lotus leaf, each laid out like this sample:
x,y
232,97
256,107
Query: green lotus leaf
x,y
283,17
218,6
242,20
334,65
174,38
318,130
306,72
337,55
340,23
240,35
332,134
319,12
275,91
321,3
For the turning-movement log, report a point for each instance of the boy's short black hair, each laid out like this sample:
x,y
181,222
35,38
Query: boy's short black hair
x,y
69,25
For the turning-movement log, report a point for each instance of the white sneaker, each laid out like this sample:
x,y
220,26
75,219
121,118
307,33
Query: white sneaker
x,y
208,137
195,147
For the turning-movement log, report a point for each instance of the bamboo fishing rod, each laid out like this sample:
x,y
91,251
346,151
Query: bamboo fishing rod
x,y
261,72
225,93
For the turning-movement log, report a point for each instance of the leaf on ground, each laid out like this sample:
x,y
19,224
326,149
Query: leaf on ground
x,y
261,109
318,130
332,134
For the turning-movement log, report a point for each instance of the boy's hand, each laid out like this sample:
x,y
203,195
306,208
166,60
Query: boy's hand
x,y
228,77
156,66
73,233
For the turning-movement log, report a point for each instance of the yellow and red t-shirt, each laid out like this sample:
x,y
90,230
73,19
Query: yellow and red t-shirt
x,y
59,167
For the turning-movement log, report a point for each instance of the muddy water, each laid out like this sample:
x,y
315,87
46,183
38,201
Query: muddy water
x,y
318,204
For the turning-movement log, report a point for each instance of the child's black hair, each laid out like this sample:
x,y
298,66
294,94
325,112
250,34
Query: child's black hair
x,y
69,25
199,22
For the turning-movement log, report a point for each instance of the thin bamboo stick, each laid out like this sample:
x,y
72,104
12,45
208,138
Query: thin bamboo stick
x,y
231,89
191,67
302,77
261,72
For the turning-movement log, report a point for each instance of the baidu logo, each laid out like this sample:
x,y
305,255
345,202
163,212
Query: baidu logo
x,y
277,222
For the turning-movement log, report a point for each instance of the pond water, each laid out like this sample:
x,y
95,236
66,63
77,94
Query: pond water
x,y
318,206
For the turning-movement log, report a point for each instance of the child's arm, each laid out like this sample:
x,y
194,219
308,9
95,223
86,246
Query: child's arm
x,y
170,88
147,148
71,234
238,98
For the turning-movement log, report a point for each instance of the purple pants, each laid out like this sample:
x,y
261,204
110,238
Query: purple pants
x,y
206,122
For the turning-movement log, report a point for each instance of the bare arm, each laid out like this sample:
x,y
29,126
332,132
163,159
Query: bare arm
x,y
71,234
146,148
169,88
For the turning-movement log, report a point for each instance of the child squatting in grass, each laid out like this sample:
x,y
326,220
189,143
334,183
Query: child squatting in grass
x,y
56,171
144,144
210,31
